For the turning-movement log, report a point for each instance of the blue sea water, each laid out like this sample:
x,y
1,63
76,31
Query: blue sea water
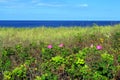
x,y
25,23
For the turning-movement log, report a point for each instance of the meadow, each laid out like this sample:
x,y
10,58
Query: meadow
x,y
63,53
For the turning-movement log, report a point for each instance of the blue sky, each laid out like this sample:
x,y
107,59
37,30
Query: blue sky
x,y
59,10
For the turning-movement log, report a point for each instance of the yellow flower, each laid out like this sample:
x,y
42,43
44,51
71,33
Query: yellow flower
x,y
101,40
35,68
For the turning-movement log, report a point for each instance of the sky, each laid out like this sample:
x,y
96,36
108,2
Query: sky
x,y
59,10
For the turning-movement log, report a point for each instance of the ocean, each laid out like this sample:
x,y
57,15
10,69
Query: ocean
x,y
30,23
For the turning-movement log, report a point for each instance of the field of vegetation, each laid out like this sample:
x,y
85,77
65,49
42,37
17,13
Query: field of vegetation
x,y
63,53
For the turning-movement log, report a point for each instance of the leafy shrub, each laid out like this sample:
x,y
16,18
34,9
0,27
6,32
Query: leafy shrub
x,y
116,41
19,72
58,59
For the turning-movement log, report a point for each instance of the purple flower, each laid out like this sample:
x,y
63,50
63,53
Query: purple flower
x,y
61,45
99,47
50,46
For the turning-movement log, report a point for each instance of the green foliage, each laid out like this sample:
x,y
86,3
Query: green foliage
x,y
119,58
103,67
48,76
98,76
7,75
58,59
106,67
107,58
19,72
24,57
116,41
80,61
38,78
7,52
47,53
21,52
5,62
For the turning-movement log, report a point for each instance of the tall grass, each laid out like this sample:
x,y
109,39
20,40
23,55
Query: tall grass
x,y
11,36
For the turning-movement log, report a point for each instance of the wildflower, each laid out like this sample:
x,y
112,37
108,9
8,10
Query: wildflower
x,y
99,47
101,40
50,46
91,45
36,69
61,45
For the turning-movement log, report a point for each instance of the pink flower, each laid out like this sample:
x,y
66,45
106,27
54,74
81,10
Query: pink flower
x,y
61,45
99,47
50,46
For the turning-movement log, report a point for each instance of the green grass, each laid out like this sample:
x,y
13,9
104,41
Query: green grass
x,y
50,35
24,53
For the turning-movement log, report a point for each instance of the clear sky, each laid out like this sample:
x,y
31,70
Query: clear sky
x,y
59,9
